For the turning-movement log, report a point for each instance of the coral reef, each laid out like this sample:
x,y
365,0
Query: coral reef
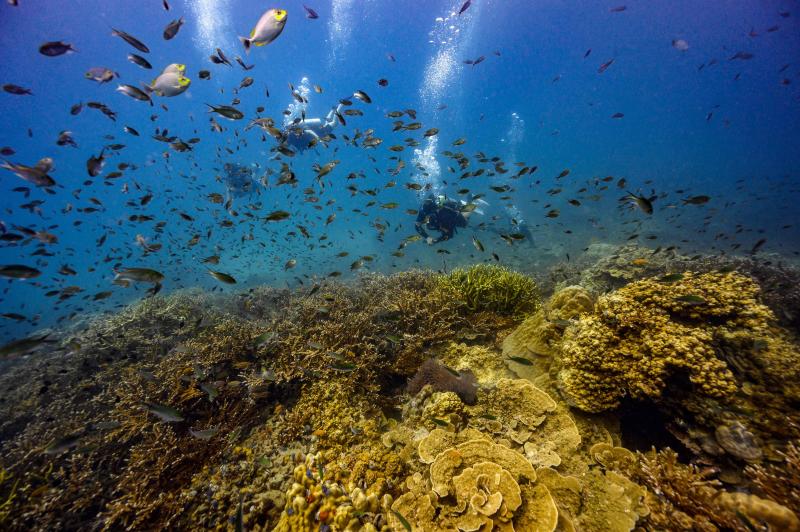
x,y
492,287
287,410
684,497
780,481
443,379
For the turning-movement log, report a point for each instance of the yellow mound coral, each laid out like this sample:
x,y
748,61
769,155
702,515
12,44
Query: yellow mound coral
x,y
492,287
650,330
540,333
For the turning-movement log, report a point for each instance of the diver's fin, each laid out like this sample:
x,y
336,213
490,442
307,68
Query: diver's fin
x,y
246,43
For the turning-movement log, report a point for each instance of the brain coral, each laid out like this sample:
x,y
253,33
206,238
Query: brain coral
x,y
644,333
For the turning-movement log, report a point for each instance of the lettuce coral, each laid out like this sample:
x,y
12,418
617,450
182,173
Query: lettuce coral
x,y
492,287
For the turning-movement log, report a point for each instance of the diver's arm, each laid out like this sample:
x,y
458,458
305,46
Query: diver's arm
x,y
419,226
447,234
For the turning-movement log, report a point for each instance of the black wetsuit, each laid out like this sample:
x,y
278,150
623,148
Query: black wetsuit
x,y
444,219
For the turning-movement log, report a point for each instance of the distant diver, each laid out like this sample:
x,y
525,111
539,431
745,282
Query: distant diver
x,y
441,214
239,179
306,133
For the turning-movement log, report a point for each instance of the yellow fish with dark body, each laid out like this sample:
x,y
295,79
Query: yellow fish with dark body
x,y
267,29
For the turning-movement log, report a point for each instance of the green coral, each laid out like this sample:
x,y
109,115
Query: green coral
x,y
492,287
651,330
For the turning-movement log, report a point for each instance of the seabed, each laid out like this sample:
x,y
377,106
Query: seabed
x,y
638,390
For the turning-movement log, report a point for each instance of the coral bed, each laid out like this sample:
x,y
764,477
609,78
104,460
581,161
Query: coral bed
x,y
417,402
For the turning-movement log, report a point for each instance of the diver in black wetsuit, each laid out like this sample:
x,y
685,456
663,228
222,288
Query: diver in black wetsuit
x,y
439,214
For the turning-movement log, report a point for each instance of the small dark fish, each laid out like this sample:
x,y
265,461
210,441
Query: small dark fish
x,y
741,55
94,165
587,53
478,245
56,48
204,74
172,29
361,95
691,299
139,60
165,413
605,66
242,64
130,39
76,109
758,245
464,7
226,111
66,443
671,278
310,13
696,200
383,82
343,367
136,94
617,115
222,277
16,89
18,271
618,9
205,434
130,130
521,360
276,216
21,347
644,204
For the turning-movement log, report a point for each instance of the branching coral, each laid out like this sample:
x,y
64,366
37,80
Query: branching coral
x,y
781,481
683,497
492,287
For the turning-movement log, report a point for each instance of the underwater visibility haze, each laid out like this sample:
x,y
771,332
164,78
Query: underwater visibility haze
x,y
360,265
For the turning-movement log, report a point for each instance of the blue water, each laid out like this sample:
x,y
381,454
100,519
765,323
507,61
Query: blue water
x,y
729,130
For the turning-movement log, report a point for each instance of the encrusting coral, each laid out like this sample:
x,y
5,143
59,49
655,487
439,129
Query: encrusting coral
x,y
492,287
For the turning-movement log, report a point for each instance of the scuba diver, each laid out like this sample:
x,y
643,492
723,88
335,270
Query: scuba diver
x,y
306,133
239,179
440,214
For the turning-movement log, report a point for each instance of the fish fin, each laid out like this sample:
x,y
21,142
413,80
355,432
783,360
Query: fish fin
x,y
260,43
246,43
